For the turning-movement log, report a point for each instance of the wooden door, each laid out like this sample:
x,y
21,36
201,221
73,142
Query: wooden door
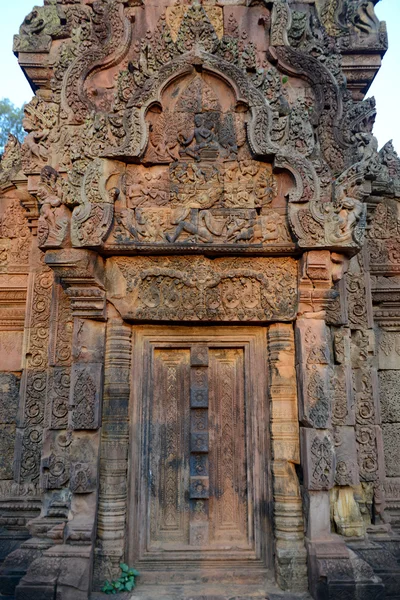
x,y
200,449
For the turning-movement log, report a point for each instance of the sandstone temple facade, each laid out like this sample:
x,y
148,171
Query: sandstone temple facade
x,y
200,304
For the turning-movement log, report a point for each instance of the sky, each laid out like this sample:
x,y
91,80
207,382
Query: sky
x,y
385,88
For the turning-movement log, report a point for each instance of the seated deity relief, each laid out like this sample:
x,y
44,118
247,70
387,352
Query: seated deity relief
x,y
199,120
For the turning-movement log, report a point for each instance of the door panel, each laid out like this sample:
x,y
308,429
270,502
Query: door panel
x,y
229,501
198,458
168,442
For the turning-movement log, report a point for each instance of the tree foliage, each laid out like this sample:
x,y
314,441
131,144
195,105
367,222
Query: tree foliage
x,y
10,121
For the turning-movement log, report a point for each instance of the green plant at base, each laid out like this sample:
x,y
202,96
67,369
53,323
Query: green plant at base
x,y
124,583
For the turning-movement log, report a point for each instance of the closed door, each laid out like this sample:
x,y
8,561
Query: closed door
x,y
201,421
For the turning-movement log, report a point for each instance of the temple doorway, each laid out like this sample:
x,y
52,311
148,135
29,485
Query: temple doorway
x,y
200,483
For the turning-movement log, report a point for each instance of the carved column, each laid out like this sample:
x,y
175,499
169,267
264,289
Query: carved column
x,y
112,511
290,563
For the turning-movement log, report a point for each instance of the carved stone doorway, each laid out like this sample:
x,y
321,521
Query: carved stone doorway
x,y
200,485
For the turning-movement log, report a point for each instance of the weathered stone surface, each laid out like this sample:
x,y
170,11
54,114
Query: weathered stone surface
x,y
389,393
314,373
7,443
190,169
199,289
9,397
319,450
391,442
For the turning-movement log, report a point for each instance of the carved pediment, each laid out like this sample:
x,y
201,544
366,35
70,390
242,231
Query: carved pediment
x,y
189,128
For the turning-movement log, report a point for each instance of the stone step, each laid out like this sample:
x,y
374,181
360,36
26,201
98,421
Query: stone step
x,y
205,592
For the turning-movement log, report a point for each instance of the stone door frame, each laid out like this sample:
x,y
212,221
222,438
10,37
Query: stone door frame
x,y
287,530
251,340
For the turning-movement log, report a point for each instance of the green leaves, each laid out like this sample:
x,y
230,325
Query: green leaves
x,y
124,583
285,79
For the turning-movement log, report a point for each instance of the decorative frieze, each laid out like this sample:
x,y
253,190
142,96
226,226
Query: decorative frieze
x,y
200,289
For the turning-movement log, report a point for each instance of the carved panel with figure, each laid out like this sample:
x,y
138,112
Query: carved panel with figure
x,y
199,184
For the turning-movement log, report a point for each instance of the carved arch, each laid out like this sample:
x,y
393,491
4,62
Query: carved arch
x,y
136,134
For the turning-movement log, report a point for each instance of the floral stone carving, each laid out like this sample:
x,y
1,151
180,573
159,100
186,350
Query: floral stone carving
x,y
228,289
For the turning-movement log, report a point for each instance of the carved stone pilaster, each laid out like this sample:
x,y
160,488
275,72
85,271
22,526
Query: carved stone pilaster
x,y
30,421
290,551
112,510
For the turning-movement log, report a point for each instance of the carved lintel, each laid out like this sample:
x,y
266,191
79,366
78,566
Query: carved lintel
x,y
199,289
82,273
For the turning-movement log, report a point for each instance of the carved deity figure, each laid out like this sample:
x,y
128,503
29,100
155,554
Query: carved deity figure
x,y
53,221
274,229
342,219
39,118
240,229
146,189
203,136
188,220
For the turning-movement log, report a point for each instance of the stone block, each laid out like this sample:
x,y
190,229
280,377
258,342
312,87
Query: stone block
x,y
9,396
389,394
11,350
313,372
318,520
35,592
391,444
7,442
346,512
388,349
346,456
318,458
88,345
55,469
85,395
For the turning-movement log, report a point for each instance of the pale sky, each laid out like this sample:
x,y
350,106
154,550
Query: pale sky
x,y
385,88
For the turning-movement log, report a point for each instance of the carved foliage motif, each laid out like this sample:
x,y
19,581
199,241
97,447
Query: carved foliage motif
x,y
55,462
322,462
318,450
15,239
33,387
198,289
85,393
314,373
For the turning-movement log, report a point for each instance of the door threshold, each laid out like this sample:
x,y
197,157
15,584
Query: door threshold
x,y
205,591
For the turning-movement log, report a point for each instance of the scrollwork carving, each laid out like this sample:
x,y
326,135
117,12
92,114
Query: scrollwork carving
x,y
199,289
